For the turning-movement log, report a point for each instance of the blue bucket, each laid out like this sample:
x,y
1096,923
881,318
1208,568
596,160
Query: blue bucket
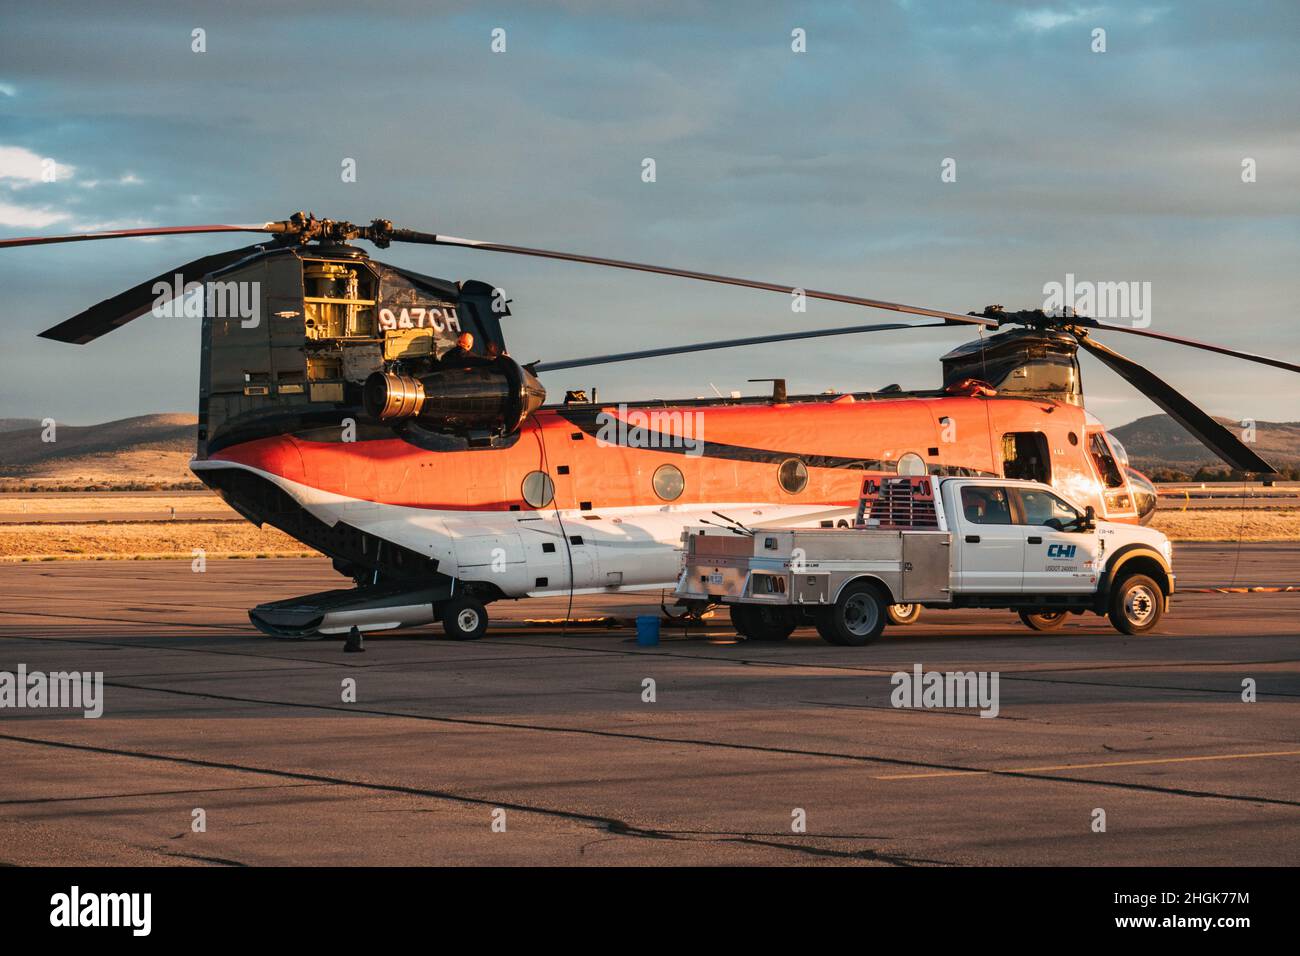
x,y
647,630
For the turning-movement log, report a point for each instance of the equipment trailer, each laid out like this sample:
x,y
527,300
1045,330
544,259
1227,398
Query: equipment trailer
x,y
937,543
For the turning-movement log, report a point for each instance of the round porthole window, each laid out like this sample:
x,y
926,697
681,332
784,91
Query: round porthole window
x,y
911,464
668,482
538,489
793,475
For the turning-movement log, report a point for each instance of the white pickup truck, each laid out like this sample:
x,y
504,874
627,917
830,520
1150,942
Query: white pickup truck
x,y
931,542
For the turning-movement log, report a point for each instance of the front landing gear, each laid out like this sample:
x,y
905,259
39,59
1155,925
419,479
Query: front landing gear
x,y
464,618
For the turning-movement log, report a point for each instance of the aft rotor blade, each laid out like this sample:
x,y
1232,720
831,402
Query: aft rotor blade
x,y
129,234
134,302
1192,343
1181,409
725,344
428,238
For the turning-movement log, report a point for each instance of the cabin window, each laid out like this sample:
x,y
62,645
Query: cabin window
x,y
538,489
792,476
668,482
1105,461
912,464
1025,456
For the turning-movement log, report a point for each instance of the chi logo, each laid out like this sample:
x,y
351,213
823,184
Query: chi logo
x,y
1061,550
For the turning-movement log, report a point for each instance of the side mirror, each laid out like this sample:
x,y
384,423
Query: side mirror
x,y
1089,519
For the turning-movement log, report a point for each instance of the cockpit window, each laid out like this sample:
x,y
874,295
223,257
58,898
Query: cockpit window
x,y
1105,462
1121,454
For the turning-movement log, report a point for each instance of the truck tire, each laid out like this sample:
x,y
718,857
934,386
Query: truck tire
x,y
822,619
859,614
738,619
1136,604
464,618
1043,620
764,623
904,614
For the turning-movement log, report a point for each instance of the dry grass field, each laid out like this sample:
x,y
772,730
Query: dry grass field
x,y
144,540
53,527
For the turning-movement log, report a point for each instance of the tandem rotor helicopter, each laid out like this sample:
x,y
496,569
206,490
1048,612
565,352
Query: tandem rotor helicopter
x,y
457,486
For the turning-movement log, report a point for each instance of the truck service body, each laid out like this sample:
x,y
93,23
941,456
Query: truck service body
x,y
938,543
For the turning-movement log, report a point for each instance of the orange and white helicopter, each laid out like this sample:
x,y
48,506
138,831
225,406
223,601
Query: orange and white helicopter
x,y
376,415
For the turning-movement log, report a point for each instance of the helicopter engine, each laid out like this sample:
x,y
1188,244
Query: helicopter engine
x,y
459,397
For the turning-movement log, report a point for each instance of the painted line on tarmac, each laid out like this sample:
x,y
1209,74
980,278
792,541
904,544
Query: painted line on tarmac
x,y
1086,766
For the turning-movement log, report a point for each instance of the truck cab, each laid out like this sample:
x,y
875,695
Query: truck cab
x,y
1021,537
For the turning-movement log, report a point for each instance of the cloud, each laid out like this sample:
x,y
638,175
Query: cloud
x,y
21,167
27,217
1040,21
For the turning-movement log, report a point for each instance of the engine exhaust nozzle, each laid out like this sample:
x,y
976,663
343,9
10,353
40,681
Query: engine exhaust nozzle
x,y
390,397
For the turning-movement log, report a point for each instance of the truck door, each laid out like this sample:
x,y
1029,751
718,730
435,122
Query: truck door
x,y
990,546
1057,560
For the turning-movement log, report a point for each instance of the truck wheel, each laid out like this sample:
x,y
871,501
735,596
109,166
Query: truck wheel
x,y
1136,604
904,614
859,615
1043,620
768,623
464,618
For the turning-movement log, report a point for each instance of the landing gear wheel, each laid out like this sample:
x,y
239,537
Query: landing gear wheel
x,y
464,618
1136,604
904,614
859,615
1042,620
760,623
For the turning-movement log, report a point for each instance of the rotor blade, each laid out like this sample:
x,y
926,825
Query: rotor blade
x,y
128,234
427,238
1210,433
1177,340
134,302
724,344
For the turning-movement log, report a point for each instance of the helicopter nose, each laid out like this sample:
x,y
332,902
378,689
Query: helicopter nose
x,y
278,455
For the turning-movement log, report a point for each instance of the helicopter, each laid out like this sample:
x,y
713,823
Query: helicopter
x,y
376,415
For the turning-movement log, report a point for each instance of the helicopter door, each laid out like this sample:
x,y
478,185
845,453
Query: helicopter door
x,y
556,544
1025,456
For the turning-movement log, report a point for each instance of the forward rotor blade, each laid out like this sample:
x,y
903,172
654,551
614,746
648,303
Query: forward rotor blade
x,y
134,302
128,234
1181,409
725,344
1192,343
427,238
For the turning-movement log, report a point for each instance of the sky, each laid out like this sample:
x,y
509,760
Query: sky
x,y
823,169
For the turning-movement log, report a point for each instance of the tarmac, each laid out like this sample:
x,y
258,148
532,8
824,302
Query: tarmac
x,y
543,744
